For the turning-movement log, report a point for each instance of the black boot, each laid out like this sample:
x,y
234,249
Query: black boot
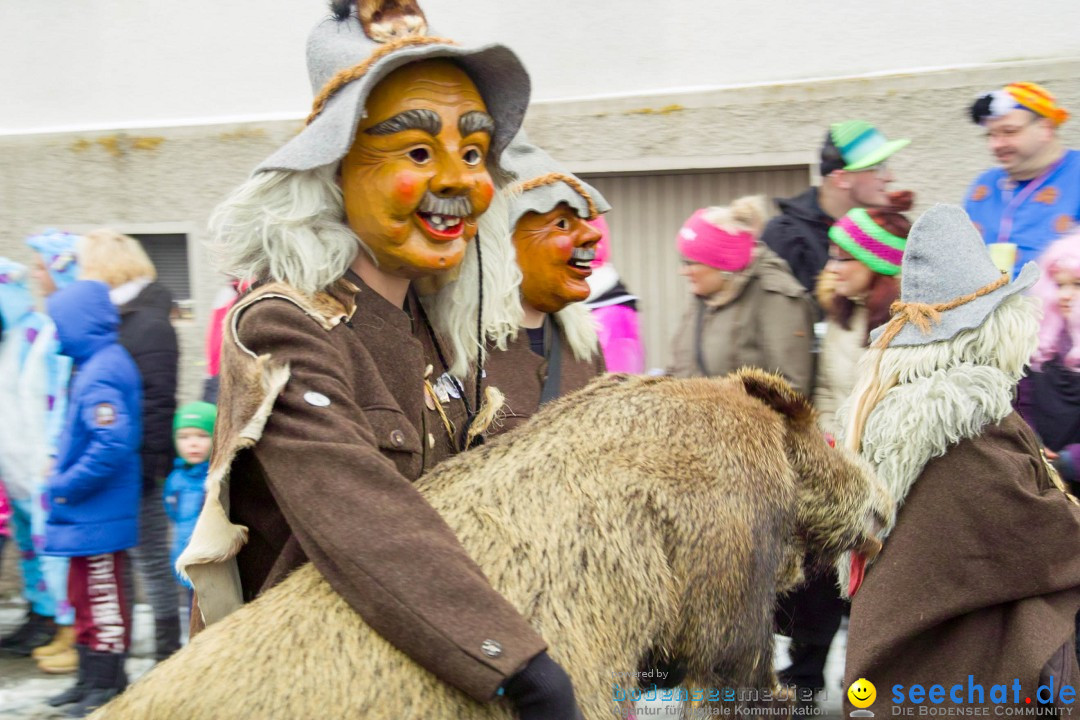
x,y
166,637
38,630
78,691
105,673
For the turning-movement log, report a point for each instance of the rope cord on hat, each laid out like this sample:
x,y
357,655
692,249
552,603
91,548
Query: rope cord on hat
x,y
573,182
922,314
346,76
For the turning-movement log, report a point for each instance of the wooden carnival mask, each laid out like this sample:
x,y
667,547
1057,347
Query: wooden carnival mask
x,y
415,180
554,251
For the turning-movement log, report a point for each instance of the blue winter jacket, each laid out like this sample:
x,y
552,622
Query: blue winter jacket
x,y
95,486
184,494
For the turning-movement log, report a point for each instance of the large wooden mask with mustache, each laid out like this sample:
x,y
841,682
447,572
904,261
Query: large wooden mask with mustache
x,y
416,180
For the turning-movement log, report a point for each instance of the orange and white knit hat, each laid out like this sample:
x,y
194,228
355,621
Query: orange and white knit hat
x,y
1027,95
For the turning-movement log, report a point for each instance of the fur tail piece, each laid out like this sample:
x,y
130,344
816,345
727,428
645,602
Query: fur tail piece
x,y
385,20
493,402
215,538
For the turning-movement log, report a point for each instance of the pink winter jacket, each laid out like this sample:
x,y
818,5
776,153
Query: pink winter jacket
x,y
620,338
5,512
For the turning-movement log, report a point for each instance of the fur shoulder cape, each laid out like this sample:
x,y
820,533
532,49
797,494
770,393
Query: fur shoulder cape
x,y
250,384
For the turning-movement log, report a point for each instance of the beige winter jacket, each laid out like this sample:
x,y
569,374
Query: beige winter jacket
x,y
840,354
762,318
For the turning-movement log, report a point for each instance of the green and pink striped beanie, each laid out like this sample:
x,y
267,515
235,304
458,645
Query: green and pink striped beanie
x,y
876,237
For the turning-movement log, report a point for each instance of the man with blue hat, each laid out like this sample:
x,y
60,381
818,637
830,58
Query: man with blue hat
x,y
327,412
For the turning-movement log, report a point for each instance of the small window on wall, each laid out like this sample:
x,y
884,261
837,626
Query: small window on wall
x,y
169,253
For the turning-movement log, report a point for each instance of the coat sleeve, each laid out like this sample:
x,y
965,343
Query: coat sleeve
x,y
108,422
366,528
786,336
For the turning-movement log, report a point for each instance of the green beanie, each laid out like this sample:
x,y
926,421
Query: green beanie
x,y
199,415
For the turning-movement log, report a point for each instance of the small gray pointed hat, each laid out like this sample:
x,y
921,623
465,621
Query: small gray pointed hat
x,y
336,46
541,183
948,281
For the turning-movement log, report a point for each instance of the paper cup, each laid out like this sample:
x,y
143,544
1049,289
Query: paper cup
x,y
1004,256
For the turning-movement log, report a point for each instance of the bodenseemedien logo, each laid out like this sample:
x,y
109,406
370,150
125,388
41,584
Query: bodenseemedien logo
x,y
862,694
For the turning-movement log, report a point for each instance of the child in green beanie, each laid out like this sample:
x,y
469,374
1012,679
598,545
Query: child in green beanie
x,y
193,430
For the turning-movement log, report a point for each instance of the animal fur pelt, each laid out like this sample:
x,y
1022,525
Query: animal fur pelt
x,y
675,537
384,20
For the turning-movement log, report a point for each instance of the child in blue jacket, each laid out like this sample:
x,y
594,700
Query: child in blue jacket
x,y
193,430
94,489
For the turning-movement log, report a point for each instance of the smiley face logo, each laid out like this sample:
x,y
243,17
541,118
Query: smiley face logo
x,y
862,693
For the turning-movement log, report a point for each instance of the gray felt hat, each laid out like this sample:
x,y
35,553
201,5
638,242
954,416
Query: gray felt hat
x,y
335,45
945,261
545,183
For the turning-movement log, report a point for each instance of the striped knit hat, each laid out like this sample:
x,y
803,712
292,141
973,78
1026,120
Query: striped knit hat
x,y
876,237
1026,95
855,145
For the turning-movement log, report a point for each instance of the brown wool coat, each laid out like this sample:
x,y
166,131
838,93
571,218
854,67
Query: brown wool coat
x,y
330,480
980,576
764,318
520,374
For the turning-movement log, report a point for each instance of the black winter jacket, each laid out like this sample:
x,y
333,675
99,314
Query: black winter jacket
x,y
800,235
149,337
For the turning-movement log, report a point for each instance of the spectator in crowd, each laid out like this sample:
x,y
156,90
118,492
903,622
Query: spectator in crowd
x,y
185,491
1033,196
861,281
853,174
746,309
859,285
1049,397
148,335
614,309
94,490
223,302
34,385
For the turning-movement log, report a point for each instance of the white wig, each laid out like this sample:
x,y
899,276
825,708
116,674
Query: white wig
x,y
1005,342
285,226
454,308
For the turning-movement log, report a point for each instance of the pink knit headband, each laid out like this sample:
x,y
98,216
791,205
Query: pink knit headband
x,y
702,242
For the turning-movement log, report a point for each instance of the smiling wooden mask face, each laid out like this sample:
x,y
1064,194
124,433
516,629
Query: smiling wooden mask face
x,y
415,180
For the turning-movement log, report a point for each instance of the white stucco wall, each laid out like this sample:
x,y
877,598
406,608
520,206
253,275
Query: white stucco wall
x,y
68,65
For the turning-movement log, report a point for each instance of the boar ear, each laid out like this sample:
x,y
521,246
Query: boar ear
x,y
775,392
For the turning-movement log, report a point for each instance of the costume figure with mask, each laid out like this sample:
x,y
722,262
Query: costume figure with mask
x,y
328,408
540,339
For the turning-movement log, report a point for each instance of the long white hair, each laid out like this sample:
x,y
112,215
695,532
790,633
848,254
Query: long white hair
x,y
285,226
454,308
1005,341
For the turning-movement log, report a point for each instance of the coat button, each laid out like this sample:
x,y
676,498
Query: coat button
x,y
491,648
397,438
